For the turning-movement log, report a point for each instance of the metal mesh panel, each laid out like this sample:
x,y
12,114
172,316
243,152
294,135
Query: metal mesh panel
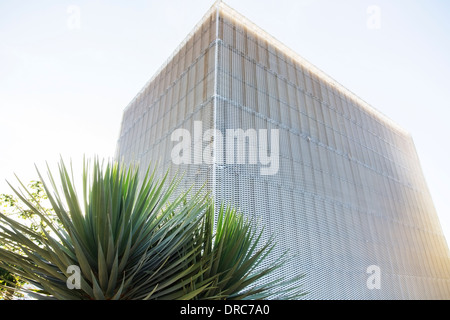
x,y
180,94
349,191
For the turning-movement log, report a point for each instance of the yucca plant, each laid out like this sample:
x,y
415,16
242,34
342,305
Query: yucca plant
x,y
134,239
234,256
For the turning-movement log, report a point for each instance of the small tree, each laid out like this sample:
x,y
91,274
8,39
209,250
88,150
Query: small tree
x,y
129,241
11,284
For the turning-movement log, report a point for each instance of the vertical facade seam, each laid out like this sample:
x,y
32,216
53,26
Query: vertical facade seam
x,y
216,62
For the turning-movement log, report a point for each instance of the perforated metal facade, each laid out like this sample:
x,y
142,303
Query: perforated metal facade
x,y
349,191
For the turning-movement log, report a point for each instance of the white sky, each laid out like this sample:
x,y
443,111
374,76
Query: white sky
x,y
63,88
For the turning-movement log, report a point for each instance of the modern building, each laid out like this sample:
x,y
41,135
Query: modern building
x,y
336,182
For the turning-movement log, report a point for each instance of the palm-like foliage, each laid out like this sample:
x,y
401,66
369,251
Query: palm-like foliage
x,y
135,240
234,257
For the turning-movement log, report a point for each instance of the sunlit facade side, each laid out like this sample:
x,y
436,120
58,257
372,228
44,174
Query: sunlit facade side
x,y
349,192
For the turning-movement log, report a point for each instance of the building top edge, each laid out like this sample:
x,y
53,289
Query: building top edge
x,y
227,10
212,10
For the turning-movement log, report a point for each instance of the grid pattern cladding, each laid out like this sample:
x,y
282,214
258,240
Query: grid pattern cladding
x,y
181,93
349,192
